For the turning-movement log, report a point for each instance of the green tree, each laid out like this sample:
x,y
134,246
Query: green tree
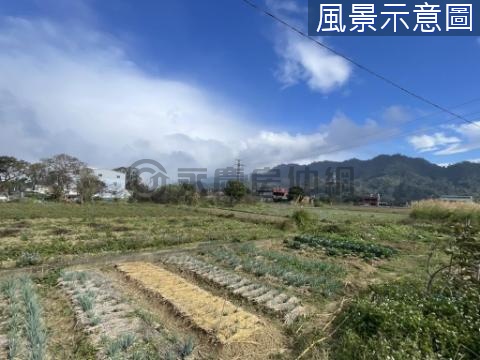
x,y
235,189
61,171
176,194
88,185
295,192
36,174
12,173
463,251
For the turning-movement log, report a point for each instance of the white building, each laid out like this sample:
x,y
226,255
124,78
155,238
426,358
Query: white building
x,y
457,198
115,184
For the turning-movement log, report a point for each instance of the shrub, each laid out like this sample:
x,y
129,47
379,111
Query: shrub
x,y
302,218
399,321
28,259
236,190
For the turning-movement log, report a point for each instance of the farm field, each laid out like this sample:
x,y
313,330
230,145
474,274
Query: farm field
x,y
177,282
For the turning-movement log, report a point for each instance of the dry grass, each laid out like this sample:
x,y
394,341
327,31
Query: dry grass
x,y
444,210
216,316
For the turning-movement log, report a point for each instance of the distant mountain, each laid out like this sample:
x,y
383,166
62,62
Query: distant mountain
x,y
397,178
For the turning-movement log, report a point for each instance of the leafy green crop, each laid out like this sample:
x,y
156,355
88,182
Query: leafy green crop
x,y
345,247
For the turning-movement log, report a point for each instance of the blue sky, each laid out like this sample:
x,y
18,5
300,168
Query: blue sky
x,y
193,83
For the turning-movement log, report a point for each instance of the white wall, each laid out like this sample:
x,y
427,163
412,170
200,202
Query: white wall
x,y
114,180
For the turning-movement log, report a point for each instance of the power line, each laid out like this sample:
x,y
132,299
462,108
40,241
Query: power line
x,y
393,136
430,115
357,64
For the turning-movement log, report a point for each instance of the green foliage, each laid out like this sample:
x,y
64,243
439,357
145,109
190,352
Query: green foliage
x,y
295,192
80,276
399,321
345,247
86,301
14,323
35,331
236,190
12,174
120,344
24,319
186,348
176,194
401,179
464,256
88,185
117,227
320,277
28,258
446,212
302,218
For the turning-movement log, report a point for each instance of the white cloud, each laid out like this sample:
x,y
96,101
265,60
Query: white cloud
x,y
303,61
285,6
464,138
75,90
470,134
426,143
333,141
397,114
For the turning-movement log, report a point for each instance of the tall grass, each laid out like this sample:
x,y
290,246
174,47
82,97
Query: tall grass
x,y
445,211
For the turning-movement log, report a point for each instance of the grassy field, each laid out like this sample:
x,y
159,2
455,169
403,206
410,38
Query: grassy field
x,y
254,281
31,233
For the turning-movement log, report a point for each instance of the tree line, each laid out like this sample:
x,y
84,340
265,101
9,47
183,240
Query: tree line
x,y
59,173
62,173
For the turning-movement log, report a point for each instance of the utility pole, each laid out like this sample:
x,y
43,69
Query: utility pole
x,y
239,168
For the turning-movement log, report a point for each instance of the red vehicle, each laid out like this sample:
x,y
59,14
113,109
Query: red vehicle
x,y
280,194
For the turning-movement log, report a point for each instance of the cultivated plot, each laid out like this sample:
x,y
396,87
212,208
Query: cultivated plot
x,y
226,322
269,298
114,326
22,321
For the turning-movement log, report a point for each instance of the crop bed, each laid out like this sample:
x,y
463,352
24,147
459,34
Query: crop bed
x,y
22,321
115,328
216,316
269,298
344,247
309,276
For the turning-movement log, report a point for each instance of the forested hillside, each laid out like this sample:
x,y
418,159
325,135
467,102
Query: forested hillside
x,y
399,178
